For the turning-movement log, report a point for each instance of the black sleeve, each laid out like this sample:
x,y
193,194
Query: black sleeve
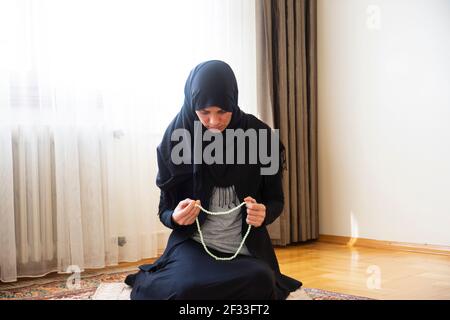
x,y
166,219
167,206
272,187
272,196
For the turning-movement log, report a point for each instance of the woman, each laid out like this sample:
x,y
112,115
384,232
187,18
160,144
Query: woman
x,y
186,270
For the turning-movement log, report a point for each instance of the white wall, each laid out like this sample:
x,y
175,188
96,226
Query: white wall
x,y
384,119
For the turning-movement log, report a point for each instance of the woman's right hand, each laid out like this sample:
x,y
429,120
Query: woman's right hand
x,y
186,212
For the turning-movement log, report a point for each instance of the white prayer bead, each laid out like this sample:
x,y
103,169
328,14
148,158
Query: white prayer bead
x,y
217,214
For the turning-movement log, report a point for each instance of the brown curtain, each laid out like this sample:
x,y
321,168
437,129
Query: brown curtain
x,y
287,100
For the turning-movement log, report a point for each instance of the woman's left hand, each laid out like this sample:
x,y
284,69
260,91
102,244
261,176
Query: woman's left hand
x,y
256,212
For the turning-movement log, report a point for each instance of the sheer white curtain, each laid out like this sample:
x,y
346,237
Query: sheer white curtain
x,y
86,91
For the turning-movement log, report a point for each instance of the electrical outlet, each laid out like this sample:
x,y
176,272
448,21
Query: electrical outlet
x,y
121,241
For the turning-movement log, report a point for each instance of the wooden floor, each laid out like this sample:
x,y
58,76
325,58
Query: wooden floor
x,y
369,272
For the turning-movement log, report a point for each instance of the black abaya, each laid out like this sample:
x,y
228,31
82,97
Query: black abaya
x,y
185,270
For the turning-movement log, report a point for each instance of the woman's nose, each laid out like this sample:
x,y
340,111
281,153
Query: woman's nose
x,y
214,121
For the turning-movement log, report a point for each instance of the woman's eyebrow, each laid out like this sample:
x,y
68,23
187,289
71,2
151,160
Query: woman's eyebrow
x,y
208,111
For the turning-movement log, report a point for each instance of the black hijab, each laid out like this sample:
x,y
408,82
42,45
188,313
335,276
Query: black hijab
x,y
211,83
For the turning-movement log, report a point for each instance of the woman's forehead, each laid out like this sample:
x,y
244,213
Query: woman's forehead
x,y
212,109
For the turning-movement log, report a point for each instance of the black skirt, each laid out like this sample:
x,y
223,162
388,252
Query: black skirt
x,y
187,272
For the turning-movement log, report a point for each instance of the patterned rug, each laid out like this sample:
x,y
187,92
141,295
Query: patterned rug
x,y
58,288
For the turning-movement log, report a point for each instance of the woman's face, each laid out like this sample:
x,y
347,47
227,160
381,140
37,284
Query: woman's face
x,y
214,118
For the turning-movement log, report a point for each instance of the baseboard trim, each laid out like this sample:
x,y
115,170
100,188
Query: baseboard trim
x,y
382,244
